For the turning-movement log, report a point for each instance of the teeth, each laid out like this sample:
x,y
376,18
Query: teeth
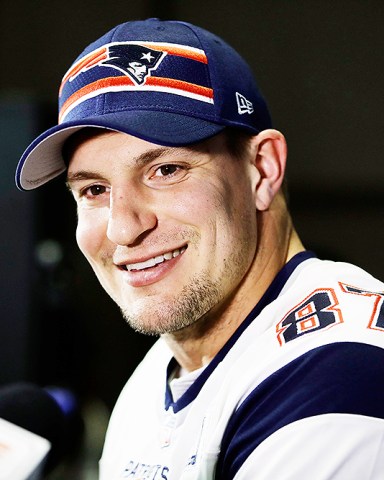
x,y
156,260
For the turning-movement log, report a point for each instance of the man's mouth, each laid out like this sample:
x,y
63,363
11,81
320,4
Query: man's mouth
x,y
152,262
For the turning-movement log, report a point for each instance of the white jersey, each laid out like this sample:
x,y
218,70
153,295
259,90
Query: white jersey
x,y
296,393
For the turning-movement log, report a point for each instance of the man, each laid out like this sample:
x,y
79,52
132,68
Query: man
x,y
270,361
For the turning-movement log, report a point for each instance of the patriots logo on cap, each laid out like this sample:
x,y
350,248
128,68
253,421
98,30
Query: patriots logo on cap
x,y
134,60
137,61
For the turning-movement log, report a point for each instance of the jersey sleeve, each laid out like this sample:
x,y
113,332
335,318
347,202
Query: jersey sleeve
x,y
321,416
323,447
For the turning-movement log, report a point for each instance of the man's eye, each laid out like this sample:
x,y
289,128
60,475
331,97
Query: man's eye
x,y
166,170
94,190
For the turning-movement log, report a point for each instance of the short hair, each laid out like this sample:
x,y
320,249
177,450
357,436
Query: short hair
x,y
237,141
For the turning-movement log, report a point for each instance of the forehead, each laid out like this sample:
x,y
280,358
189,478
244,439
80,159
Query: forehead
x,y
80,138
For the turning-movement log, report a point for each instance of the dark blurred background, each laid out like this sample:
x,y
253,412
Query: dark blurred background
x,y
319,64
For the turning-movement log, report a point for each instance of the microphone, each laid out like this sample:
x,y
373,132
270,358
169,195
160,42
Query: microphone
x,y
34,429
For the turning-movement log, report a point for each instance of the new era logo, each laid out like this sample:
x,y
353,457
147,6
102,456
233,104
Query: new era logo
x,y
243,105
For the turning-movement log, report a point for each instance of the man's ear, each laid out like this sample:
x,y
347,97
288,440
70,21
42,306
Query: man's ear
x,y
269,158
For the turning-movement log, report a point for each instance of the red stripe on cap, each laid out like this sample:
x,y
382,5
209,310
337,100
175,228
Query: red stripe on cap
x,y
107,84
87,62
93,87
180,51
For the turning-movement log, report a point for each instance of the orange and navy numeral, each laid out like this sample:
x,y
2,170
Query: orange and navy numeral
x,y
376,321
316,312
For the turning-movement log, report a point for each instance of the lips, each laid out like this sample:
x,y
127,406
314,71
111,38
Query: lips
x,y
152,262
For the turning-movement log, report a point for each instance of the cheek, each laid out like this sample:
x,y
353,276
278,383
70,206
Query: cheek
x,y
90,234
217,202
189,206
238,219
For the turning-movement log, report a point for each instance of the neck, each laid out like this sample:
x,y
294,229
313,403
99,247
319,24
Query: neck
x,y
278,242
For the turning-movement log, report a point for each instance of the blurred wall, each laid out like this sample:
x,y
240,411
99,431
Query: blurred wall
x,y
320,65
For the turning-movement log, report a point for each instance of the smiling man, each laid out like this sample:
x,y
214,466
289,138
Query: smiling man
x,y
270,361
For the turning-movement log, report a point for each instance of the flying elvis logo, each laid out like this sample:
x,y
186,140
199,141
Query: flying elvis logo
x,y
138,63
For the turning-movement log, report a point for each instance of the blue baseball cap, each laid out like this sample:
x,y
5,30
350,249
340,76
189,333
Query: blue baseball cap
x,y
168,82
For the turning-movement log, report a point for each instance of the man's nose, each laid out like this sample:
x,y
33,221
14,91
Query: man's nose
x,y
130,216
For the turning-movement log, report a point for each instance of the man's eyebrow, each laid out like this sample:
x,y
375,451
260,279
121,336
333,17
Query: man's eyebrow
x,y
139,161
149,156
82,175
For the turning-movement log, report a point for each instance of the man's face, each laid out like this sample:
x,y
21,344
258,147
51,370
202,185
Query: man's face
x,y
169,232
138,69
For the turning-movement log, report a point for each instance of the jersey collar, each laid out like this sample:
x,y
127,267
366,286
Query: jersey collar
x,y
269,296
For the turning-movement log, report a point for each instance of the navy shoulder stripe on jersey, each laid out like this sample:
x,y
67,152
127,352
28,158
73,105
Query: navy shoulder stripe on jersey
x,y
336,378
269,296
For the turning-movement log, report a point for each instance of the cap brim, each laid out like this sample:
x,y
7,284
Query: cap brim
x,y
42,160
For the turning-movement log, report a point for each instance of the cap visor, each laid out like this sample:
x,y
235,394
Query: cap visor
x,y
43,161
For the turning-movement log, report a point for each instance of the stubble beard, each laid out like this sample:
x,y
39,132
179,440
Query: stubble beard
x,y
191,306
